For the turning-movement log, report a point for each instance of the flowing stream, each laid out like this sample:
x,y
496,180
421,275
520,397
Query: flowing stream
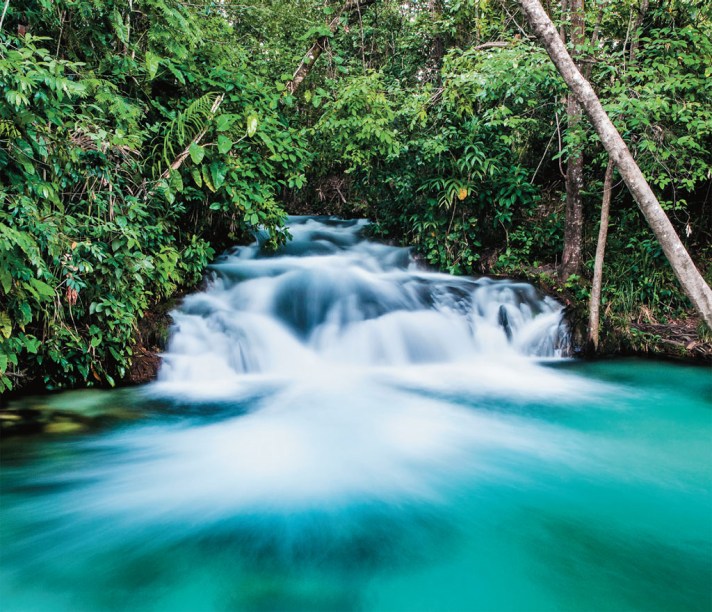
x,y
336,428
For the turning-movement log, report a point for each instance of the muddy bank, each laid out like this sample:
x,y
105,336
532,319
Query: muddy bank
x,y
151,340
152,336
679,339
683,339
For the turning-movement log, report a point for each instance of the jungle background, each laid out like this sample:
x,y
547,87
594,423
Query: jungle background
x,y
139,138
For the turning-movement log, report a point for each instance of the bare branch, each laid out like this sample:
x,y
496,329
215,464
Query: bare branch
x,y
495,44
4,10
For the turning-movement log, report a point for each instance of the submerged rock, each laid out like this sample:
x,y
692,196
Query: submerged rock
x,y
68,412
62,427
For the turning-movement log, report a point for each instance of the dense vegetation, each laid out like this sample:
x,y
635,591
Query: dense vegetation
x,y
138,138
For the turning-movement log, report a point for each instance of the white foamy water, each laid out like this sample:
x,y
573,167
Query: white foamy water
x,y
348,355
336,428
334,299
336,373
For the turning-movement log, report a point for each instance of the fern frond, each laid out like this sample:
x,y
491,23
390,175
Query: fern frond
x,y
186,126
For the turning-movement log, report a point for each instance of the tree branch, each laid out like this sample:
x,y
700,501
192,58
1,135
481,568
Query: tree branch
x,y
315,51
495,44
4,10
182,157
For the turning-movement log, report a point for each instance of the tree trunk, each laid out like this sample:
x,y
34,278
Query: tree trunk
x,y
572,258
437,46
308,61
635,40
4,10
595,302
689,276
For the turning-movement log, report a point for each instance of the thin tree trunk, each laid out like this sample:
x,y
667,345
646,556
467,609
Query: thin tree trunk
x,y
4,10
572,256
437,46
564,17
684,268
595,302
586,70
307,63
635,35
315,51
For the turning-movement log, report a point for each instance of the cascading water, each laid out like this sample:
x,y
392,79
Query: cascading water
x,y
341,347
331,298
335,428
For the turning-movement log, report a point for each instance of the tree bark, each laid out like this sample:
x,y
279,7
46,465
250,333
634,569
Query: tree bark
x,y
684,268
635,40
4,10
315,51
595,302
437,46
572,256
307,63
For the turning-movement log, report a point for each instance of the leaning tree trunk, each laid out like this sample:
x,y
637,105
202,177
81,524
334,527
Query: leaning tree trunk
x,y
689,276
317,48
572,255
596,285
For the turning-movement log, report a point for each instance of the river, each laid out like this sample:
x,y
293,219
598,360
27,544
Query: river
x,y
336,428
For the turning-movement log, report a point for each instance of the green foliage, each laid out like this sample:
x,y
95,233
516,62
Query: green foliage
x,y
129,151
138,138
443,167
472,174
359,123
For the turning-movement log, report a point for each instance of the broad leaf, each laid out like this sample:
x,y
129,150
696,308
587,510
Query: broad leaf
x,y
217,173
207,180
252,123
153,61
224,144
5,324
196,153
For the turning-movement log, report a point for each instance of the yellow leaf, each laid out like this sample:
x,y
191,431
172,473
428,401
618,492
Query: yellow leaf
x,y
462,194
5,324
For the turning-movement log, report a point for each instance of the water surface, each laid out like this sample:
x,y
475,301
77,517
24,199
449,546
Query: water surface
x,y
336,429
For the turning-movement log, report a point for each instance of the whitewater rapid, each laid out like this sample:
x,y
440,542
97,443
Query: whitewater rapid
x,y
343,371
332,299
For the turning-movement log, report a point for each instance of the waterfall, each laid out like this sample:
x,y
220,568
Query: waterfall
x,y
332,298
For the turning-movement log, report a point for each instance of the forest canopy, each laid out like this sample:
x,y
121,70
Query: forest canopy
x,y
140,138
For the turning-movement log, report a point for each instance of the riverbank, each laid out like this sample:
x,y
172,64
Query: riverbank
x,y
682,339
637,334
679,340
